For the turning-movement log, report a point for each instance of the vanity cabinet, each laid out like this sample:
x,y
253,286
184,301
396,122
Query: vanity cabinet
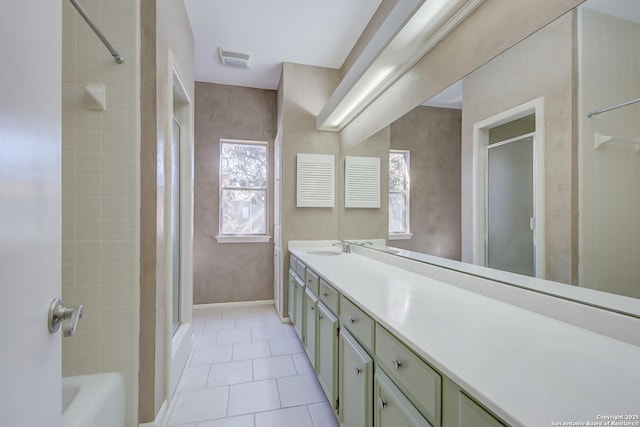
x,y
298,310
370,376
310,326
459,410
392,408
355,389
291,295
418,381
327,353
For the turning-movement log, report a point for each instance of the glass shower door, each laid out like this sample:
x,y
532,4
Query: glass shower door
x,y
510,206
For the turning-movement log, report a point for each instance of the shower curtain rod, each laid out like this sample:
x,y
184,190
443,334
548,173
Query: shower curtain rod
x,y
615,107
119,59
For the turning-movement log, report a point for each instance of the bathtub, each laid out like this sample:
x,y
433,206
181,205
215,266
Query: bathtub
x,y
93,401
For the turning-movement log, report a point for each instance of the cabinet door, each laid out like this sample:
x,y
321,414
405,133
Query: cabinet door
x,y
355,383
298,311
310,326
327,366
392,409
291,297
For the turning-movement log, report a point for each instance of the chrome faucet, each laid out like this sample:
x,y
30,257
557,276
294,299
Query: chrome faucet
x,y
346,248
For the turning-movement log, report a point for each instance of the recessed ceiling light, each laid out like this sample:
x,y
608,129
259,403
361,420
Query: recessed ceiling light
x,y
234,59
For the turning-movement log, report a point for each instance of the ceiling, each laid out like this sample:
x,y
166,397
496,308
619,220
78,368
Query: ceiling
x,y
319,33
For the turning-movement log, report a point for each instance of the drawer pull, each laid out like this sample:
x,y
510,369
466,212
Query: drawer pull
x,y
382,403
357,370
396,364
352,320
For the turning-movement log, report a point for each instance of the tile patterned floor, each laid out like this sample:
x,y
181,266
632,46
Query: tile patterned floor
x,y
246,369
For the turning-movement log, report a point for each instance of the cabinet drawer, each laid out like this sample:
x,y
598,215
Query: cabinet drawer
x,y
300,267
329,296
421,384
357,322
312,281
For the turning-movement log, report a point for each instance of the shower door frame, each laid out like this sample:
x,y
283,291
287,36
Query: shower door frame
x,y
480,165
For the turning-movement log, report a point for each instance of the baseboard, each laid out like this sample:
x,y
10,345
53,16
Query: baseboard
x,y
161,418
233,304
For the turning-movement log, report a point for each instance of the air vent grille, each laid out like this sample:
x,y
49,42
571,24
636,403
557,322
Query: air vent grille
x,y
315,180
234,59
362,182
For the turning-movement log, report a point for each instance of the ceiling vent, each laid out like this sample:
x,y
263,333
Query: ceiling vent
x,y
234,59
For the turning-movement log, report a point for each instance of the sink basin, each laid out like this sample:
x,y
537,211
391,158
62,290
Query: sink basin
x,y
326,252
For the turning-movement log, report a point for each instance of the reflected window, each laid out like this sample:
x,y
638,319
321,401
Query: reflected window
x,y
399,195
243,188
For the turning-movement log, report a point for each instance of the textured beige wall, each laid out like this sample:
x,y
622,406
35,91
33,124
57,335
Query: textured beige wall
x,y
164,26
229,112
305,90
541,65
100,217
494,27
356,224
433,136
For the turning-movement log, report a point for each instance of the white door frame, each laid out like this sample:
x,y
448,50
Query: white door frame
x,y
480,161
178,344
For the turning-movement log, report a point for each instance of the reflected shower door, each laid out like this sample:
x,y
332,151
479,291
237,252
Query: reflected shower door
x,y
510,206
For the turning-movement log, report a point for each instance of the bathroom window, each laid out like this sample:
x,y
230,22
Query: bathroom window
x,y
399,195
243,191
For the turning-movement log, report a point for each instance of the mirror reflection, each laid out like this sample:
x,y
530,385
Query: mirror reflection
x,y
516,167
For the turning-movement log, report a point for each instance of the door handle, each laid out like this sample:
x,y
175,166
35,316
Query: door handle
x,y
67,316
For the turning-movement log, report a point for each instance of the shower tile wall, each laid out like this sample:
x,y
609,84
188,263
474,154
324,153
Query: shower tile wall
x,y
100,173
609,177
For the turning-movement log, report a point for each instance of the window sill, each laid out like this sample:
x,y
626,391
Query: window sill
x,y
243,239
400,236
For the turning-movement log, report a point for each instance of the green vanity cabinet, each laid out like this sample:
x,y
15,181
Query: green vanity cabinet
x,y
310,327
419,382
355,388
459,410
298,311
391,407
291,296
327,352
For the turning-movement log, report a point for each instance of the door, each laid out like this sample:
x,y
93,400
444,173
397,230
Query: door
x,y
311,326
30,219
355,383
327,366
392,408
510,206
175,225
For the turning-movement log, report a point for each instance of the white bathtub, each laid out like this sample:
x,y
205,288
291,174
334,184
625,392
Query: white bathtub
x,y
93,401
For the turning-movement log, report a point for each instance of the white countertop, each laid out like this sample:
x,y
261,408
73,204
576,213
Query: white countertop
x,y
529,369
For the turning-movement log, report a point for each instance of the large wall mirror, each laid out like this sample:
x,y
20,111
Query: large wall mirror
x,y
516,168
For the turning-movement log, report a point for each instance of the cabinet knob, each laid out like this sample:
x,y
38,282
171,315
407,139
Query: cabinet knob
x,y
325,294
357,370
320,316
313,308
396,364
382,403
352,320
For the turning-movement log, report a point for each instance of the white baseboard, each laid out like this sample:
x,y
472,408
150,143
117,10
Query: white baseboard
x,y
161,418
233,304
